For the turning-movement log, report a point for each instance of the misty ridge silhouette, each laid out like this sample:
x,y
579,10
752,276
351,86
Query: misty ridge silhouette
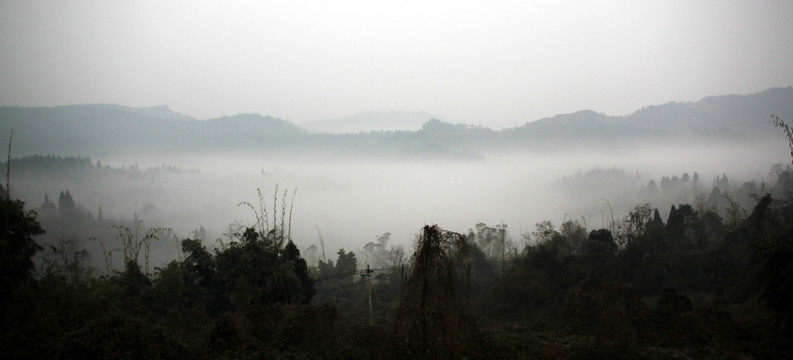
x,y
113,130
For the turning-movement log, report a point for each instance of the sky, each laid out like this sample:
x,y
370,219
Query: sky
x,y
490,63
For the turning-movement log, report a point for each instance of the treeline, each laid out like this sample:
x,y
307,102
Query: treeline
x,y
726,196
688,284
644,286
182,309
50,165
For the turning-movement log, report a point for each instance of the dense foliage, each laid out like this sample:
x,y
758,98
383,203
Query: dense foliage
x,y
690,285
17,247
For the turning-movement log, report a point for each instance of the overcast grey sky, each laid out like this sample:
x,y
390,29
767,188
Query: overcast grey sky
x,y
493,63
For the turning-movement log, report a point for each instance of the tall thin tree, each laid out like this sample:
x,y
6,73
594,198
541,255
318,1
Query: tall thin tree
x,y
8,184
8,166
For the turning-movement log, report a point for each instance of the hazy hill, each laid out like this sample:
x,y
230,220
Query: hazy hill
x,y
107,130
92,130
159,111
731,115
372,121
716,118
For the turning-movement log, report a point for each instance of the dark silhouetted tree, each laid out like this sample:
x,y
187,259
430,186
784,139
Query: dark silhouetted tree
x,y
17,246
292,255
599,242
48,209
433,321
771,230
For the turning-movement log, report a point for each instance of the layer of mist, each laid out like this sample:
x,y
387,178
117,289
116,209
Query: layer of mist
x,y
352,202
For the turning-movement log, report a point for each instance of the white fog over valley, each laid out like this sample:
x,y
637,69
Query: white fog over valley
x,y
353,201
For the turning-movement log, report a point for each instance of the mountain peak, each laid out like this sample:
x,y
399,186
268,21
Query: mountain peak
x,y
373,121
161,112
437,126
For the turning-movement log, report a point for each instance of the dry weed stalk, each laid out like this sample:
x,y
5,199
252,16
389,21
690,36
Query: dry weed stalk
x,y
132,243
280,234
108,254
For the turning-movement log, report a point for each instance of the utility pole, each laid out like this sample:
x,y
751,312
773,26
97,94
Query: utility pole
x,y
368,275
401,281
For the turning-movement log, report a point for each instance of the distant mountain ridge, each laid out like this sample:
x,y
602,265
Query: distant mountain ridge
x,y
723,117
105,129
157,111
372,121
161,112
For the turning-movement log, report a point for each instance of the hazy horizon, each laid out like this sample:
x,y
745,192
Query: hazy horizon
x,y
497,64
